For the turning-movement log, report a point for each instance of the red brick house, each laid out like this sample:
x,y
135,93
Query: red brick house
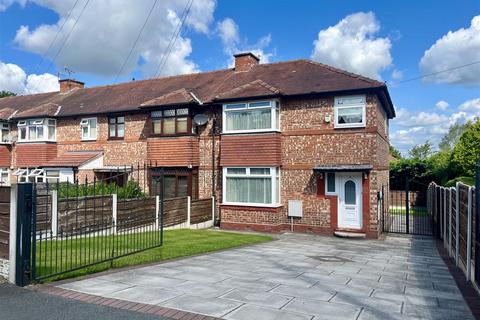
x,y
295,130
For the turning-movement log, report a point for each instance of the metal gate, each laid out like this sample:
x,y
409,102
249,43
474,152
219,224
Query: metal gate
x,y
406,209
67,227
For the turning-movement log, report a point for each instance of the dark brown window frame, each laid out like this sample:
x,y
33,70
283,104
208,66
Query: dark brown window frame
x,y
116,137
176,116
191,174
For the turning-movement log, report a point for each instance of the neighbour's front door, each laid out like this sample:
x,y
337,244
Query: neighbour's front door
x,y
350,200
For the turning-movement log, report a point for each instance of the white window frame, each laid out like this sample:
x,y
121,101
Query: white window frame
x,y
329,193
3,137
85,122
274,175
346,102
275,115
4,170
43,122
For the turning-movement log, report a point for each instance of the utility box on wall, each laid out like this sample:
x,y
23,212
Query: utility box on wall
x,y
295,208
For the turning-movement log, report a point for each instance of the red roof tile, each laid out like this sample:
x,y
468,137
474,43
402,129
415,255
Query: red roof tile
x,y
73,159
298,77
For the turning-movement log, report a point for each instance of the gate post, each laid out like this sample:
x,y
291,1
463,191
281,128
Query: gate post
x,y
407,205
23,241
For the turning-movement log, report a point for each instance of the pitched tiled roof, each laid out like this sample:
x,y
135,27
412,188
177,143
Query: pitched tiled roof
x,y
176,97
256,88
73,158
298,77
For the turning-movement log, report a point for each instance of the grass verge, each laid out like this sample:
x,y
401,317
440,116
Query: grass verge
x,y
55,256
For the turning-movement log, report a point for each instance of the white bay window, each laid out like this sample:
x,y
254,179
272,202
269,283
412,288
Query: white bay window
x,y
256,186
350,112
37,130
251,116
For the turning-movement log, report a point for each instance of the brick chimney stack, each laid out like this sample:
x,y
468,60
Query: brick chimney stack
x,y
69,84
245,61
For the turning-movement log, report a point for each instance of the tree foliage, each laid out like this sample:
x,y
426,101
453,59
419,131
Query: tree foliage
x,y
421,151
467,151
395,153
455,160
4,94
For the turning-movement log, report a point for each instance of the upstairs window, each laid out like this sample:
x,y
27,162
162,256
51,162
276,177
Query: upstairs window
x,y
350,112
171,122
5,132
116,127
37,130
251,117
89,128
4,177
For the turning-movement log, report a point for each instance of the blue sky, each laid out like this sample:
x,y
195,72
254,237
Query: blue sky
x,y
389,40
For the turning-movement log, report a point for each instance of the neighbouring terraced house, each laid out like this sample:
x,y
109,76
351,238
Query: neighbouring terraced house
x,y
294,130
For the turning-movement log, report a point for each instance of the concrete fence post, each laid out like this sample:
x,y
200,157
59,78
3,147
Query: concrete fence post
x,y
457,222
12,253
189,210
157,211
114,213
54,213
469,235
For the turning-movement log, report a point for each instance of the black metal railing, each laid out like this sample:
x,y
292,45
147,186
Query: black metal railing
x,y
78,225
405,209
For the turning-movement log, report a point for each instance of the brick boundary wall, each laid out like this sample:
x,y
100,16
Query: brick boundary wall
x,y
121,304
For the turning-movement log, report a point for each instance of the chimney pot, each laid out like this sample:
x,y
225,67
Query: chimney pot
x,y
69,84
245,61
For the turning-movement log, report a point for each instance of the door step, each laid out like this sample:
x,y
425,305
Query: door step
x,y
351,235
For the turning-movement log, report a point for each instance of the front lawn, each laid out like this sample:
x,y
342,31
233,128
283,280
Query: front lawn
x,y
412,211
56,256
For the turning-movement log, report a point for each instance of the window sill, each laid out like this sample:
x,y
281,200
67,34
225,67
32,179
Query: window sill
x,y
88,140
38,141
251,131
256,205
360,126
115,139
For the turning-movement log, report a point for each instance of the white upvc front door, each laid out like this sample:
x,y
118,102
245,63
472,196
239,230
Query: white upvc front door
x,y
349,200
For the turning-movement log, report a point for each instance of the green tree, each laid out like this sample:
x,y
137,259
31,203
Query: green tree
x,y
4,93
421,151
467,151
395,153
451,138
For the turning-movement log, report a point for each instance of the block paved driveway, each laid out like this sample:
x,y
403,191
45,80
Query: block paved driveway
x,y
298,277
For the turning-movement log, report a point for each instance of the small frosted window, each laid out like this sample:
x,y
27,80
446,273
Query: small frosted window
x,y
350,196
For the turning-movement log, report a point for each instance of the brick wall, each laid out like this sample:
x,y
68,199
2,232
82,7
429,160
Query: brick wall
x,y
307,141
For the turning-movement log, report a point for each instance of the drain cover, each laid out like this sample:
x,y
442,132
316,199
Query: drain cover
x,y
330,259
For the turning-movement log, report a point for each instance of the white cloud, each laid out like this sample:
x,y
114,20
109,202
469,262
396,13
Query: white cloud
x,y
100,43
352,45
4,4
14,79
454,49
229,33
411,128
471,105
397,75
442,105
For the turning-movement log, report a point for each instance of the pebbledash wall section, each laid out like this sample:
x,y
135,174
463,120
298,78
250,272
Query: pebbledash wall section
x,y
306,141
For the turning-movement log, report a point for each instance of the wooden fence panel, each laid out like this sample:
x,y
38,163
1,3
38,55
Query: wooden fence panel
x,y
201,211
174,211
463,224
135,212
79,213
4,221
454,220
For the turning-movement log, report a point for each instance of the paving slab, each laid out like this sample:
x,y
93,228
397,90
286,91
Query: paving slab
x,y
298,277
214,307
249,312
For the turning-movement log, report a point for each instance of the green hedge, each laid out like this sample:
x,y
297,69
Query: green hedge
x,y
130,190
470,181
